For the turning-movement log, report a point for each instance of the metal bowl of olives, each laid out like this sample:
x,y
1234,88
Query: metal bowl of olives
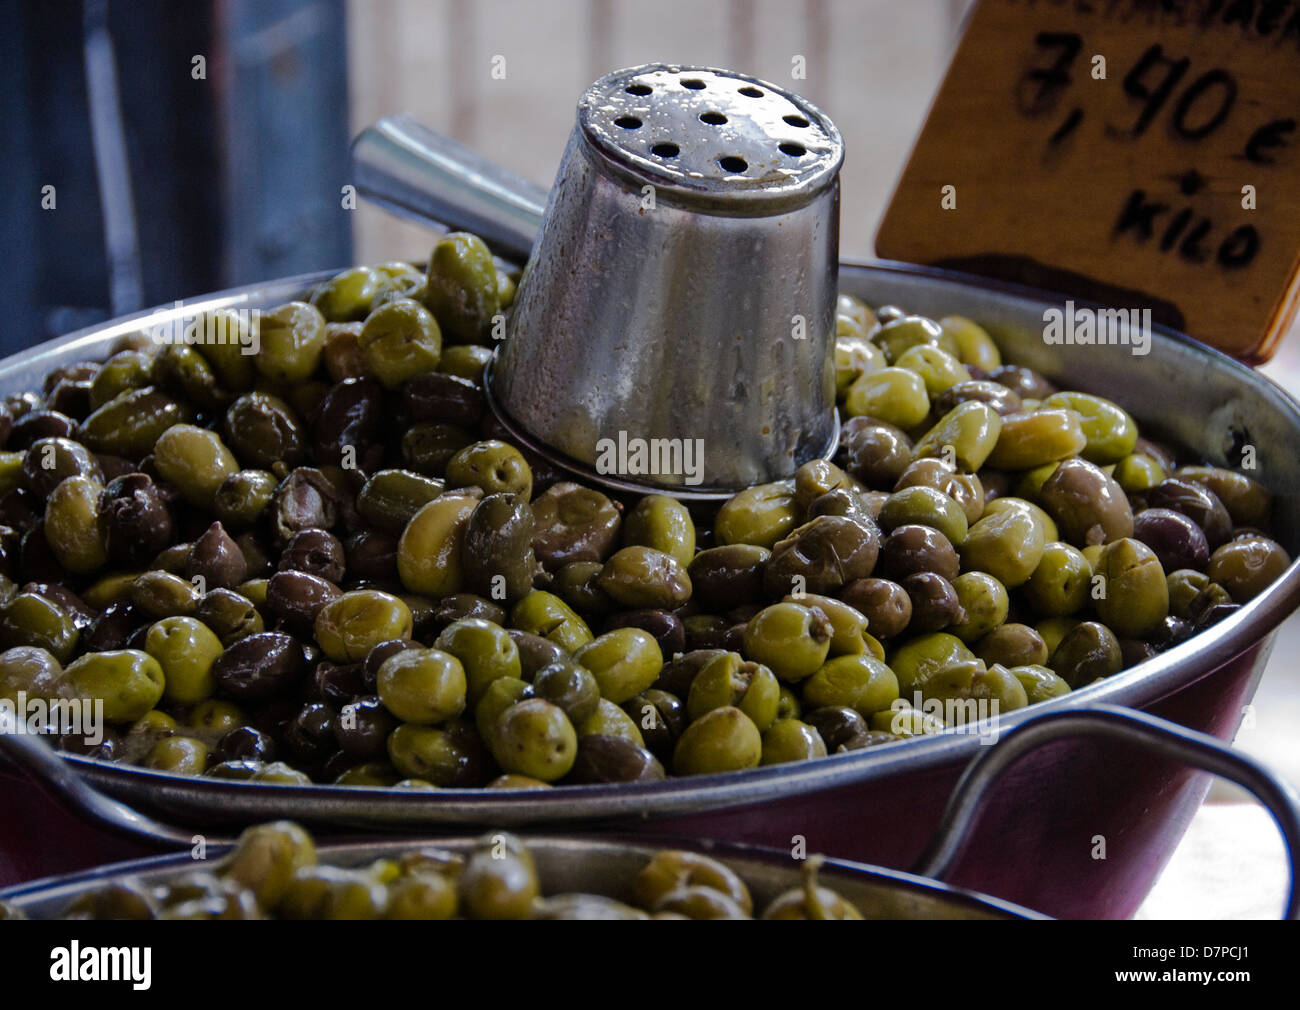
x,y
876,804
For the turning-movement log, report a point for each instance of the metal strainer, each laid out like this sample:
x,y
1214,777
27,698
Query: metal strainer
x,y
675,324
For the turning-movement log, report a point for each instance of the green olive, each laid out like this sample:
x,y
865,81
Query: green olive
x,y
645,577
664,524
624,662
127,681
1136,598
266,858
348,627
915,662
399,341
760,515
1061,583
974,345
985,602
73,528
195,460
186,650
729,680
1040,683
1008,546
545,614
724,739
493,466
292,338
423,686
862,683
924,506
966,434
788,740
535,738
937,368
1031,439
896,396
485,650
182,755
429,551
462,289
1110,432
793,641
347,295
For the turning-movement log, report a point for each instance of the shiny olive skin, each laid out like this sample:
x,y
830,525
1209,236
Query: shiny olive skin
x,y
389,499
1198,503
1008,546
72,526
1247,566
1248,502
216,559
399,340
1031,439
1087,504
535,738
128,682
423,686
241,498
296,599
348,627
186,650
49,461
1176,540
645,577
461,287
661,523
430,549
31,619
497,553
887,606
874,451
910,549
935,603
1061,582
759,515
484,649
545,614
1110,432
499,882
728,576
260,666
861,683
723,739
730,680
1003,400
1089,652
427,447
848,624
822,555
624,662
791,640
292,338
1011,645
570,686
966,489
926,506
574,523
605,759
966,434
1136,598
194,460
262,429
493,466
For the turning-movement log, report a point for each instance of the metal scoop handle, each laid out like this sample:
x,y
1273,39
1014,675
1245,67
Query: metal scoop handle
x,y
1111,722
420,174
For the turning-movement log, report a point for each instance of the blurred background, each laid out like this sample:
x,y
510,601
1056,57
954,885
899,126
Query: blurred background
x,y
158,150
215,132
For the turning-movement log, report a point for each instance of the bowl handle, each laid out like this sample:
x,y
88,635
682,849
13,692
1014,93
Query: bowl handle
x,y
408,168
43,766
1160,737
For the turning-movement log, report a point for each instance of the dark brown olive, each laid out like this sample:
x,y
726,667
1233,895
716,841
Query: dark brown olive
x,y
306,499
578,585
677,676
841,501
1133,651
41,424
1088,652
19,509
260,666
428,447
1025,382
256,554
935,604
437,397
372,556
1012,644
535,652
295,598
706,632
885,604
874,452
821,556
723,577
111,629
362,728
462,606
965,489
661,717
349,425
1245,567
497,551
573,523
1176,540
664,625
310,735
113,467
1170,632
1213,615
836,724
337,684
612,759
244,743
1003,399
911,549
1201,505
49,460
316,552
376,656
37,562
217,559
263,430
1089,505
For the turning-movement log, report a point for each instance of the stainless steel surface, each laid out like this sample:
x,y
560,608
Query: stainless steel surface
x,y
1181,386
418,173
1159,737
684,298
568,865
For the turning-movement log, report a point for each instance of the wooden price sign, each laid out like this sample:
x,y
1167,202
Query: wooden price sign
x,y
1139,153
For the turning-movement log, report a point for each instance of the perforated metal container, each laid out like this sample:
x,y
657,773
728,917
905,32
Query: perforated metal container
x,y
682,288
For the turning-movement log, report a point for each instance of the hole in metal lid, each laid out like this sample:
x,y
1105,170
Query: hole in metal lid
x,y
794,150
713,118
666,150
637,89
628,122
751,92
733,164
694,83
795,120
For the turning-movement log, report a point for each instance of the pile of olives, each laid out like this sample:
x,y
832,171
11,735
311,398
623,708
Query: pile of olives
x,y
325,561
274,873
